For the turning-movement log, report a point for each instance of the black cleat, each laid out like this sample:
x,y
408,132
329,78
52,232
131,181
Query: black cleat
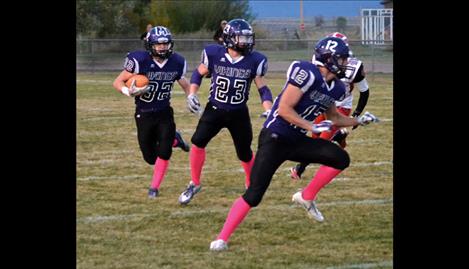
x,y
340,136
152,193
181,143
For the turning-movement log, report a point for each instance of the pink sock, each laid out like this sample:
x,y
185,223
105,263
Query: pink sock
x,y
175,142
247,169
323,176
237,213
158,173
197,158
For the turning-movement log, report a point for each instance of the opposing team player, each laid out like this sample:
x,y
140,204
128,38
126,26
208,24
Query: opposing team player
x,y
310,89
354,76
156,129
233,67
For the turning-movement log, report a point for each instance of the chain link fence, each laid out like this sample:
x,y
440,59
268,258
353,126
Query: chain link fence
x,y
96,55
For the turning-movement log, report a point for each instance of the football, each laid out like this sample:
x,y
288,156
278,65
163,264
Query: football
x,y
142,81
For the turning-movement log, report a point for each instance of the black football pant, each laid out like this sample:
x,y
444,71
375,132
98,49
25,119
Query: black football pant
x,y
273,151
236,121
156,132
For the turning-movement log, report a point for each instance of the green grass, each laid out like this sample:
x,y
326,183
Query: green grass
x,y
119,227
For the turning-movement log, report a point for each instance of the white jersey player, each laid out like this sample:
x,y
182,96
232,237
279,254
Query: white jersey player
x,y
354,77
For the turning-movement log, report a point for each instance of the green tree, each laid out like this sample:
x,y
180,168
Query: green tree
x,y
341,23
122,18
190,16
111,18
319,21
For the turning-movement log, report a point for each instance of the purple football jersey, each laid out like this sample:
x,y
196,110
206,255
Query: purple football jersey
x,y
231,79
161,76
317,97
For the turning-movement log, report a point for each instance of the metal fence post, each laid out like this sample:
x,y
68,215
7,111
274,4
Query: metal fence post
x,y
92,57
373,62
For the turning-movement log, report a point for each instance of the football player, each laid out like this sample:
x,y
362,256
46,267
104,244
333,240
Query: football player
x,y
354,76
310,89
233,67
156,130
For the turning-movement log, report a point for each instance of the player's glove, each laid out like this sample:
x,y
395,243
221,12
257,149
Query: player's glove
x,y
367,118
125,91
323,126
265,114
137,91
193,103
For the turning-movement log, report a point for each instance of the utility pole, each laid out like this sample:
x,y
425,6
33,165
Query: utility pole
x,y
302,25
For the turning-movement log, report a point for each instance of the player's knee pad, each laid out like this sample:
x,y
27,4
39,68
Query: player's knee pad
x,y
343,160
244,155
199,142
165,154
253,198
150,158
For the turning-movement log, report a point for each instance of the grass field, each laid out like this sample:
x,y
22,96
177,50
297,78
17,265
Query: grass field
x,y
119,227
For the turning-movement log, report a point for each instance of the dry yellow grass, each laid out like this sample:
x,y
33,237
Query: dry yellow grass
x,y
119,227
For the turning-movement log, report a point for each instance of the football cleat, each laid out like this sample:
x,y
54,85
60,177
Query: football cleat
x,y
152,193
339,137
181,143
189,193
293,174
218,245
296,171
310,206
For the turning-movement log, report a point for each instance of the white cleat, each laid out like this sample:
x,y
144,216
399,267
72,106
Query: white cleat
x,y
218,245
310,206
187,195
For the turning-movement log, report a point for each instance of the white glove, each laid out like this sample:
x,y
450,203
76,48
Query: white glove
x,y
125,91
137,91
367,118
323,126
193,103
265,114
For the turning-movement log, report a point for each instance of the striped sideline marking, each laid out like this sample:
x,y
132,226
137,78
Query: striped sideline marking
x,y
362,265
127,116
385,120
107,152
106,118
107,82
110,177
204,171
182,213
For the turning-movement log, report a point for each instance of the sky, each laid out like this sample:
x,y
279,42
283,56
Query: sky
x,y
311,8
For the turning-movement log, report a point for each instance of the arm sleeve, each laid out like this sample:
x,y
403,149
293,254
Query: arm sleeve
x,y
131,64
183,70
262,67
362,101
204,58
300,77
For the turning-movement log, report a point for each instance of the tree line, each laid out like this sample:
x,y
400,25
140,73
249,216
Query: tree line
x,y
128,19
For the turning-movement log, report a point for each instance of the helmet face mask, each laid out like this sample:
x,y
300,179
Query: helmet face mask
x,y
239,36
244,40
332,53
160,35
161,51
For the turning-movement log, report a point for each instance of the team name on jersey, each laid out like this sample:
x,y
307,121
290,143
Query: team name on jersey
x,y
232,71
161,75
321,98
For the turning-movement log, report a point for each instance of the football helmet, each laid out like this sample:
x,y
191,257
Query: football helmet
x,y
339,35
160,35
238,35
343,37
332,53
